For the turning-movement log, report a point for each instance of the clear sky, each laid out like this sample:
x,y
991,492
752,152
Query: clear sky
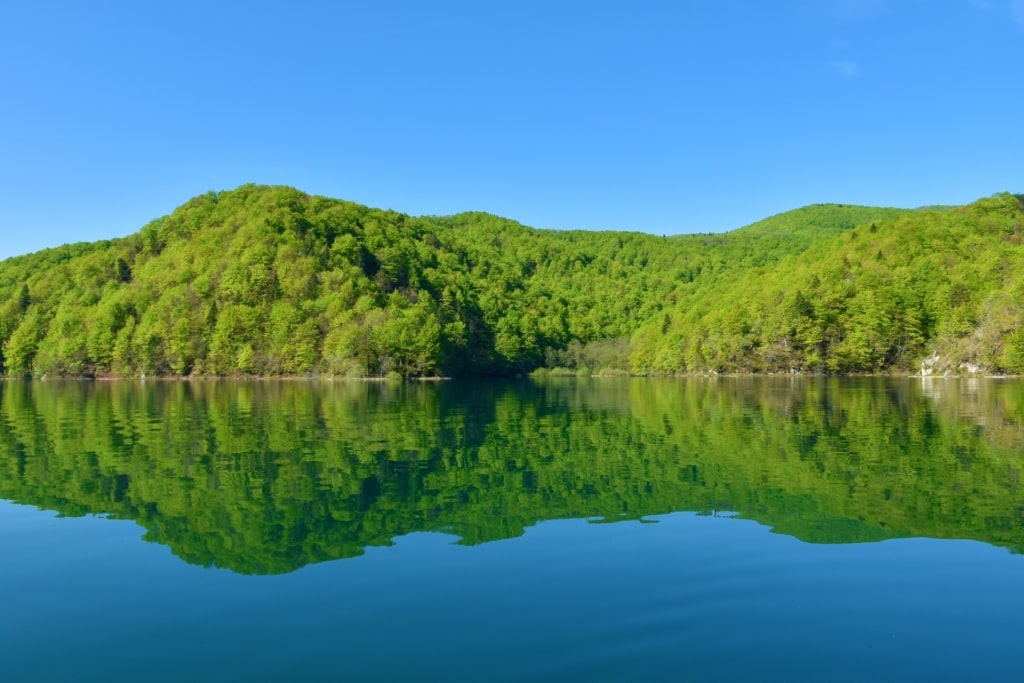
x,y
664,117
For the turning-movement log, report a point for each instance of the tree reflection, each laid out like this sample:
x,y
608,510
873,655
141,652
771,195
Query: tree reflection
x,y
267,477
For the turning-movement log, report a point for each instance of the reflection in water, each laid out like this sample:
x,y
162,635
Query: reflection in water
x,y
268,477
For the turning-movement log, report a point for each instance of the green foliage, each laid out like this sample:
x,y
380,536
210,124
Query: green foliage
x,y
862,301
20,348
270,281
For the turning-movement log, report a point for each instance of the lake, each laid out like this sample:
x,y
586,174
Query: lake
x,y
581,529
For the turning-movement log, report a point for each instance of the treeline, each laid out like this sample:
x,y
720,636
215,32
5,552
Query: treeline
x,y
271,281
268,477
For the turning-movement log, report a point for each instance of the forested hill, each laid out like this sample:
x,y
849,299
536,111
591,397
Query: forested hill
x,y
269,280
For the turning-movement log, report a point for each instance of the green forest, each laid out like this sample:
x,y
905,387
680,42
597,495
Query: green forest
x,y
270,281
266,477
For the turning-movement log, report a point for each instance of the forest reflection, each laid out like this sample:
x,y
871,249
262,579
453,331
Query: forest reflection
x,y
266,477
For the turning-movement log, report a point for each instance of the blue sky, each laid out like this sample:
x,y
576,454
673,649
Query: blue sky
x,y
664,117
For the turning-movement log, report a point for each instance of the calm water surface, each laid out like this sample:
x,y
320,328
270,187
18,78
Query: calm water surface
x,y
773,529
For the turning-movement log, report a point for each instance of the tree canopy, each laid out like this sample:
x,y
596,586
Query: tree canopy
x,y
266,280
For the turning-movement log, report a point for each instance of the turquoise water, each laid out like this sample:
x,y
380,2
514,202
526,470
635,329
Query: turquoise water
x,y
581,530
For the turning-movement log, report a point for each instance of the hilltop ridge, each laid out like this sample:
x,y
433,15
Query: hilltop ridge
x,y
268,280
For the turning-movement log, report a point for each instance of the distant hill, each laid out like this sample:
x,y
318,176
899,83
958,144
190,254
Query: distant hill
x,y
271,281
947,285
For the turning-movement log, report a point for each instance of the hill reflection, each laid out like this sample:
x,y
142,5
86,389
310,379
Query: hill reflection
x,y
268,477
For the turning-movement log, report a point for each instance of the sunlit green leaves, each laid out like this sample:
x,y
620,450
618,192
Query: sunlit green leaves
x,y
271,281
